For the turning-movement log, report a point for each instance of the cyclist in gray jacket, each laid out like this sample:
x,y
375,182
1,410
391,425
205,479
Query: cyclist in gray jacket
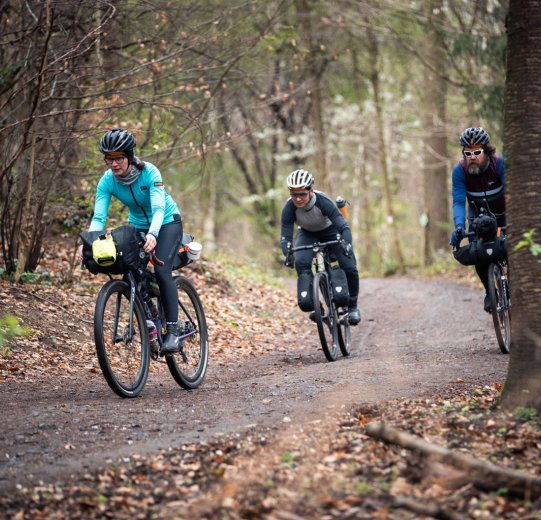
x,y
318,220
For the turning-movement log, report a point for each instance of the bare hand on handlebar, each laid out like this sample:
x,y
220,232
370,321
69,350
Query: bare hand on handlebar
x,y
150,243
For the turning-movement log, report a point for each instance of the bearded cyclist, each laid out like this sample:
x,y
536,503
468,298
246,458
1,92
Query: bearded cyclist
x,y
318,220
478,179
139,186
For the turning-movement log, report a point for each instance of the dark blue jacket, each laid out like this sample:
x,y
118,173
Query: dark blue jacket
x,y
488,184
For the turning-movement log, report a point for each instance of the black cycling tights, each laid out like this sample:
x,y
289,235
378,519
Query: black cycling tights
x,y
166,249
482,272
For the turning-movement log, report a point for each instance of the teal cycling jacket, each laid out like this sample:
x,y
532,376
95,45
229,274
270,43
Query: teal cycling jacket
x,y
150,206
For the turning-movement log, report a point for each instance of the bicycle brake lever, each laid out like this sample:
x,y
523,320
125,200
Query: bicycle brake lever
x,y
155,259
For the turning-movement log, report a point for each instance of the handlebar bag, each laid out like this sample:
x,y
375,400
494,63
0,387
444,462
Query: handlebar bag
x,y
485,226
305,296
481,252
98,256
340,286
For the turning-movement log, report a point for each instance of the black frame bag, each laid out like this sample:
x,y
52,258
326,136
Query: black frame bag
x,y
128,253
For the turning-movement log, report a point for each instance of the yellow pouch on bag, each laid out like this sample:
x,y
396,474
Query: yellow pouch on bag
x,y
104,250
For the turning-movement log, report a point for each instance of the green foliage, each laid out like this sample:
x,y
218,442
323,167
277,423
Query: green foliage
x,y
289,458
10,328
37,278
528,241
525,414
363,488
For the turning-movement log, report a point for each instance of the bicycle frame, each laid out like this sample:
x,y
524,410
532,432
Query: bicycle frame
x,y
136,291
326,313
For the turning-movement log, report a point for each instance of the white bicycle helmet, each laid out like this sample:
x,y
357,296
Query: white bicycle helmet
x,y
300,179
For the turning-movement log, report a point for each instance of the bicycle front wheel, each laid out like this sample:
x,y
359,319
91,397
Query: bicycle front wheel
x,y
498,291
344,332
123,351
325,316
189,366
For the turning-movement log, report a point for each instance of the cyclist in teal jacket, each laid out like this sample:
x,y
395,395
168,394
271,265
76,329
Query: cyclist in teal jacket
x,y
139,186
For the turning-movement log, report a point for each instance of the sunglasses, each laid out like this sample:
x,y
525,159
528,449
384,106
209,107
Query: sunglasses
x,y
471,153
300,195
111,160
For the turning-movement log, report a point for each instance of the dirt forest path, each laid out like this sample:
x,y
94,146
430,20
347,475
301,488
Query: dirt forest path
x,y
416,337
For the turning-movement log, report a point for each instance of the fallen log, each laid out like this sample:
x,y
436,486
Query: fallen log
x,y
423,509
483,474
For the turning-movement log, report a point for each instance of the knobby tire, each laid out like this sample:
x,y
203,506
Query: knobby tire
x,y
325,314
498,294
123,355
344,333
189,366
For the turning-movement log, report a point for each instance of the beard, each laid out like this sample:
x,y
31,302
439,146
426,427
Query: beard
x,y
474,169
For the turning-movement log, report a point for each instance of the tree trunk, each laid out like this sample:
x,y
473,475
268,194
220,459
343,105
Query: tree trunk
x,y
315,71
24,235
361,217
209,219
396,249
522,138
435,149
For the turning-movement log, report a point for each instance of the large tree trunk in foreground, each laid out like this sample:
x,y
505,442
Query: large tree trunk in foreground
x,y
523,149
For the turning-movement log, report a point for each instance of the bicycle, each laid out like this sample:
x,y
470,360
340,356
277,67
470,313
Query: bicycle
x,y
500,300
498,278
331,319
129,329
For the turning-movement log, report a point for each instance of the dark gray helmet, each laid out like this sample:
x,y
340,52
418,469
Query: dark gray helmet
x,y
117,140
474,136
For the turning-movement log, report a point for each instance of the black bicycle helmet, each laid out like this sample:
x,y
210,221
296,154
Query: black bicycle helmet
x,y
117,140
299,179
474,136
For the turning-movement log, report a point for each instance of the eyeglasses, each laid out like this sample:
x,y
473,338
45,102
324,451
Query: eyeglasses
x,y
111,160
299,194
471,153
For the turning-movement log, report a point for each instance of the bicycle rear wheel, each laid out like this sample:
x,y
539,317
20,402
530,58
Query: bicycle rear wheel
x,y
498,291
325,316
123,354
189,366
344,332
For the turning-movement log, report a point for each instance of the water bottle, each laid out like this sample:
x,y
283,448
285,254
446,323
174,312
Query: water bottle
x,y
341,203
